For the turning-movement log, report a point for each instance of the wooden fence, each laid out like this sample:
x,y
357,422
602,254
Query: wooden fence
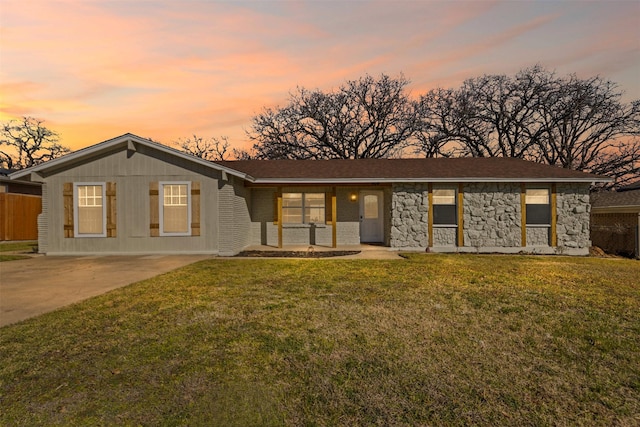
x,y
616,233
19,216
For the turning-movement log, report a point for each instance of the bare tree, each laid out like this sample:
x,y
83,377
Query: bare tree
x,y
364,118
242,154
587,127
536,115
207,149
26,142
489,116
448,126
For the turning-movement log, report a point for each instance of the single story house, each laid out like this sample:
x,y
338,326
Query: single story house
x,y
132,195
615,220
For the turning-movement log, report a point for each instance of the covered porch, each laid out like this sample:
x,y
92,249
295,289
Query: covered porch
x,y
319,216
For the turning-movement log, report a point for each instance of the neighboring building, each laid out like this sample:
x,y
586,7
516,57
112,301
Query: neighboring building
x,y
615,219
131,195
20,205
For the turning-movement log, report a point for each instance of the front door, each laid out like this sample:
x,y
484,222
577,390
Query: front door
x,y
371,217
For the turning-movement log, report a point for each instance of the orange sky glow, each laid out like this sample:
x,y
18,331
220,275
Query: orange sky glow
x,y
165,70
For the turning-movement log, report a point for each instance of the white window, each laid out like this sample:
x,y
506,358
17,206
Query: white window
x,y
175,208
307,208
90,215
538,206
444,207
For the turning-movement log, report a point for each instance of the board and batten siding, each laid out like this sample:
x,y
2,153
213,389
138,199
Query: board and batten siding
x,y
132,173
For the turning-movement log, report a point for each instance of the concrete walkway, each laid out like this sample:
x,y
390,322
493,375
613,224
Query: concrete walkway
x,y
41,284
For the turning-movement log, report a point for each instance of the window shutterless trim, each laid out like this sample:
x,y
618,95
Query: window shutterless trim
x,y
76,222
304,208
538,214
161,185
438,207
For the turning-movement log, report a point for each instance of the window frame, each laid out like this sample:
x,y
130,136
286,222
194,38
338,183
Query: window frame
x,y
548,210
454,204
76,209
303,208
161,185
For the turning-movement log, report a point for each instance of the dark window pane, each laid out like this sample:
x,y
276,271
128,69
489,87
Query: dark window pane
x,y
538,214
445,215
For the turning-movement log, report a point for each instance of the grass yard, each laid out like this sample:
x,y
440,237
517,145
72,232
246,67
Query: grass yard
x,y
10,251
431,340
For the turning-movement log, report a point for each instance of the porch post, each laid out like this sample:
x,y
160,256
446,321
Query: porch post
x,y
554,216
638,238
523,214
279,207
334,218
460,214
430,215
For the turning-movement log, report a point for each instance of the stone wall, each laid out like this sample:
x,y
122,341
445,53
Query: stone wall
x,y
492,215
409,216
538,236
573,210
492,220
445,236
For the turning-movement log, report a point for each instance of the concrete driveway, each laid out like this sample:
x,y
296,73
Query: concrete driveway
x,y
41,284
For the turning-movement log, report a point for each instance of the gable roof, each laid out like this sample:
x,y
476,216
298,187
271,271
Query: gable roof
x,y
127,140
465,169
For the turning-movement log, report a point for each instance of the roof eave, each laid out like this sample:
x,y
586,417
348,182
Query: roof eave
x,y
616,209
296,181
18,181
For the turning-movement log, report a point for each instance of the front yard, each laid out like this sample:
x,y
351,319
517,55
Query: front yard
x,y
431,340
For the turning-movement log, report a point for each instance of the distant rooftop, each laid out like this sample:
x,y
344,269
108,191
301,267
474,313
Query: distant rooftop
x,y
634,186
628,197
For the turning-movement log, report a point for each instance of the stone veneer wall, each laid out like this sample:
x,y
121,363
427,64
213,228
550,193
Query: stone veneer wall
x,y
445,236
409,216
492,215
573,210
538,236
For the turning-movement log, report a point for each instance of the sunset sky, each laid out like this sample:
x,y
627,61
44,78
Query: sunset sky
x,y
95,69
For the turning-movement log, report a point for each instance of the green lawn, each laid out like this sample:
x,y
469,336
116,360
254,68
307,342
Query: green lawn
x,y
431,340
10,251
24,246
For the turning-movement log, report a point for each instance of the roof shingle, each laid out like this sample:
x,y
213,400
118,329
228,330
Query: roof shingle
x,y
465,168
612,198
